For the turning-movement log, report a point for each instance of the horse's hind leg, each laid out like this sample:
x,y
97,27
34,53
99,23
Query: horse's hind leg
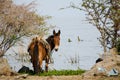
x,y
40,65
36,67
46,65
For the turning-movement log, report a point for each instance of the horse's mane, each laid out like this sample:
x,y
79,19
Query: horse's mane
x,y
52,36
50,41
49,38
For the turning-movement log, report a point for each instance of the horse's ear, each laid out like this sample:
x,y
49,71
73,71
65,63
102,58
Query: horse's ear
x,y
54,32
59,32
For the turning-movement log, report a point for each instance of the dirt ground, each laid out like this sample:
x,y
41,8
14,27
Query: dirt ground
x,y
76,77
73,77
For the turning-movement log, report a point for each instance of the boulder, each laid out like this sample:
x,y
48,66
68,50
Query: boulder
x,y
25,69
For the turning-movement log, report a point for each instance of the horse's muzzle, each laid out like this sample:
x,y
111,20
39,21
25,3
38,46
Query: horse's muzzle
x,y
56,49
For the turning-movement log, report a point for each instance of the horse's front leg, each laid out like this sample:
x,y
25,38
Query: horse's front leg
x,y
46,63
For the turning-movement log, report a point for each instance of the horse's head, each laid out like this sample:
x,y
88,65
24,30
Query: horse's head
x,y
56,38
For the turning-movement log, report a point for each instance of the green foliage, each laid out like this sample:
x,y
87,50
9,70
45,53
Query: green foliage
x,y
62,72
58,72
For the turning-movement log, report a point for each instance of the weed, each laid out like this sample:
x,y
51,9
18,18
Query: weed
x,y
73,59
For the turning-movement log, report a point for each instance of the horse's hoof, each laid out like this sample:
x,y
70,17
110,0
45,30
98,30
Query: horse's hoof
x,y
42,71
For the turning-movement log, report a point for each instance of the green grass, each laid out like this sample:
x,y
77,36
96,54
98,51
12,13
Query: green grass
x,y
62,72
55,72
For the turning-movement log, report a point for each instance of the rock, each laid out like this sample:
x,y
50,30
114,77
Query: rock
x,y
99,60
113,72
5,68
25,69
23,76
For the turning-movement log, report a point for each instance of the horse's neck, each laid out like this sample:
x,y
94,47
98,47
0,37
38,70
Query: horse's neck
x,y
50,43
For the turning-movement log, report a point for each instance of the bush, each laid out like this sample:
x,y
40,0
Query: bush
x,y
118,46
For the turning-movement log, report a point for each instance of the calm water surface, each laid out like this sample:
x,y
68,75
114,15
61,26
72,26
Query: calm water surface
x,y
71,55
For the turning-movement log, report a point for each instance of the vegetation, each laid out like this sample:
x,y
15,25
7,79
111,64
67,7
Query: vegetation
x,y
63,72
17,21
118,46
69,40
60,72
103,14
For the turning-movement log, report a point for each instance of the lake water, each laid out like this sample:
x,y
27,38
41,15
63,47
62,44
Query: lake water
x,y
81,53
71,55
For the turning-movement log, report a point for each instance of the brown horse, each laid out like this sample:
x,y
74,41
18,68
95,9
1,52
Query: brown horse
x,y
39,50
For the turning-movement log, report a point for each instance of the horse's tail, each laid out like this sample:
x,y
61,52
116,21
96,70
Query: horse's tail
x,y
35,57
36,49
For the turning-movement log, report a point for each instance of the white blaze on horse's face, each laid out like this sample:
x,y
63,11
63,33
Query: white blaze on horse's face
x,y
56,39
57,42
